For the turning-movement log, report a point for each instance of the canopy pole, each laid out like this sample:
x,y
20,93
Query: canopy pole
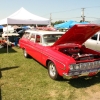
x,y
7,37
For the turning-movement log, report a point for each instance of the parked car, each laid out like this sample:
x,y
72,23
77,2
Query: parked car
x,y
94,42
1,32
63,53
9,33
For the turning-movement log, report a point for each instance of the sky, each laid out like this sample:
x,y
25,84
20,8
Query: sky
x,y
56,9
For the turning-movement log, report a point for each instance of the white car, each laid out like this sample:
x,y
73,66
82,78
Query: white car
x,y
9,33
94,42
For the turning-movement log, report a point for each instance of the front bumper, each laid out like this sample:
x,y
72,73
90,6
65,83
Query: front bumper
x,y
80,73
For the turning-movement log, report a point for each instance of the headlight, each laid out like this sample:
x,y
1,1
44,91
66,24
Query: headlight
x,y
71,67
76,67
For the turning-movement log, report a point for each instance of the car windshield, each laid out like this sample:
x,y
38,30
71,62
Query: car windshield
x,y
50,39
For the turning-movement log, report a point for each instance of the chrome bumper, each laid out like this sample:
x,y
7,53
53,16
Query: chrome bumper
x,y
76,74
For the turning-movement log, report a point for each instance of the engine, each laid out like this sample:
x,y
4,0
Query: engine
x,y
79,54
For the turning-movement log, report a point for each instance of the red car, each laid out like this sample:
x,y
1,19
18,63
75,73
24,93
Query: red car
x,y
63,54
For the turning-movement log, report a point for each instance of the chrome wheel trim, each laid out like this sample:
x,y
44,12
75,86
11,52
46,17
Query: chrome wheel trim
x,y
25,53
52,70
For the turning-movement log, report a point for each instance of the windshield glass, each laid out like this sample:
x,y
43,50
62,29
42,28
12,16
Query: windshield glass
x,y
50,39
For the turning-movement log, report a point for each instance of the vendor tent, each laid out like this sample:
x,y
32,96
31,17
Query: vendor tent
x,y
74,23
64,25
68,24
22,16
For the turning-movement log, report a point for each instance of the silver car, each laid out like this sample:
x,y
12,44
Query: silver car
x,y
94,42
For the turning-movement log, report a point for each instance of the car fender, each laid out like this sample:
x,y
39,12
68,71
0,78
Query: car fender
x,y
60,66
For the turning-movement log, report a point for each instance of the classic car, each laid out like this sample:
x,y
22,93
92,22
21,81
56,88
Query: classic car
x,y
9,33
94,42
63,53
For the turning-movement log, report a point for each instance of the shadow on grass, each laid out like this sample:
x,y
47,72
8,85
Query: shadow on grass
x,y
3,69
83,82
0,85
5,50
8,68
80,82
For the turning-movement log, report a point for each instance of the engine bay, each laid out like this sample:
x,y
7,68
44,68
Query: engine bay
x,y
80,54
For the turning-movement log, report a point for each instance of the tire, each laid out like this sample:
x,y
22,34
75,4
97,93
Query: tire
x,y
26,55
52,71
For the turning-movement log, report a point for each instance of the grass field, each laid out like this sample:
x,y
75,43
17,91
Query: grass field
x,y
26,79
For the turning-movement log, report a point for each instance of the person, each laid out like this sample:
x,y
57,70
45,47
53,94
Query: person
x,y
16,40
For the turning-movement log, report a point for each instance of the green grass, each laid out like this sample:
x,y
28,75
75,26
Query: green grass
x,y
26,79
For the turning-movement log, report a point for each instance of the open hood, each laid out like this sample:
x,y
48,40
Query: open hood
x,y
78,34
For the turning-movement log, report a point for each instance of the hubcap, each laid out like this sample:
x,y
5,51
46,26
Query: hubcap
x,y
52,70
25,53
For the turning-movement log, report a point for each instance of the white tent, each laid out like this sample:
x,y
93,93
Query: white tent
x,y
22,16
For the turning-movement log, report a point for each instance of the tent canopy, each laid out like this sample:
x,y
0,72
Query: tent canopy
x,y
64,25
72,24
22,16
68,24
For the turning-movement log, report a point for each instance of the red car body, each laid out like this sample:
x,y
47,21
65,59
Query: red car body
x,y
67,56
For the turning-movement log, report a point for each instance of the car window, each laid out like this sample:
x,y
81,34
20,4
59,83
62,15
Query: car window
x,y
38,39
51,38
32,37
94,37
26,35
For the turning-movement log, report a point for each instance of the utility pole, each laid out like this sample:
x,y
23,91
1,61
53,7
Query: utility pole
x,y
50,19
83,17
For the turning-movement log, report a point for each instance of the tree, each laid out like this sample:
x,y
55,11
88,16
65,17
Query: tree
x,y
57,22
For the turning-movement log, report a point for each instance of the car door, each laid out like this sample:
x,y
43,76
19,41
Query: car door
x,y
35,47
39,48
31,45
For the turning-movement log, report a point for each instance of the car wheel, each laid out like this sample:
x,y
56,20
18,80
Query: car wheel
x,y
52,71
26,55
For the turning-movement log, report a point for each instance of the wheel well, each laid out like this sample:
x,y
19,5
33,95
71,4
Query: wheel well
x,y
58,76
23,48
47,62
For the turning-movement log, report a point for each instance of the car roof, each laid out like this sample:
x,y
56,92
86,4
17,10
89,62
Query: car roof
x,y
43,32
